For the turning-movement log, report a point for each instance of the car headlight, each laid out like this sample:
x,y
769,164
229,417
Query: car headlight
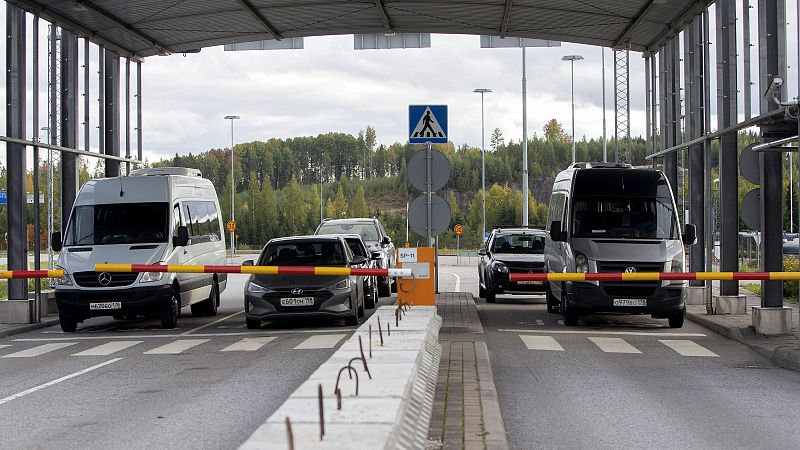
x,y
149,277
678,263
500,267
344,284
581,263
254,288
65,280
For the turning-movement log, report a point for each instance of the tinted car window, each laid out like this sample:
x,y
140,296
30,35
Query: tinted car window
x,y
123,223
355,247
367,231
518,243
303,253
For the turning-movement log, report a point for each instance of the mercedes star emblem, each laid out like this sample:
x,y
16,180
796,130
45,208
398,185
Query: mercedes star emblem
x,y
104,279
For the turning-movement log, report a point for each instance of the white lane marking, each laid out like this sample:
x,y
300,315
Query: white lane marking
x,y
56,381
5,345
172,336
614,345
320,341
249,344
173,348
212,323
687,348
540,322
40,350
541,343
107,348
617,333
458,282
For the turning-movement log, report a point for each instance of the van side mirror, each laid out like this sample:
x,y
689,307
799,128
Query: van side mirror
x,y
690,234
249,262
556,233
386,240
182,239
55,241
482,252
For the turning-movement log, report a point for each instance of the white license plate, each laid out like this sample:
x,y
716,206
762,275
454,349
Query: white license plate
x,y
105,305
297,301
630,302
533,282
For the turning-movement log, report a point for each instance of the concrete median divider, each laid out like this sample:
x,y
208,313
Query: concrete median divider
x,y
385,403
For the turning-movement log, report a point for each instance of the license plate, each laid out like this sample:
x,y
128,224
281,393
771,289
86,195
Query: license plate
x,y
105,305
630,302
297,301
533,282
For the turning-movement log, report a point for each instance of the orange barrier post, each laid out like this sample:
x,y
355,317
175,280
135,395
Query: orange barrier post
x,y
419,288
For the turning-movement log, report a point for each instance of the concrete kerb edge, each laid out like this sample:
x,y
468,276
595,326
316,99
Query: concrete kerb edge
x,y
24,328
492,416
785,357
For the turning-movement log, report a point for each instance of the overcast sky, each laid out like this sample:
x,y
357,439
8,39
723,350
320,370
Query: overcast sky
x,y
328,86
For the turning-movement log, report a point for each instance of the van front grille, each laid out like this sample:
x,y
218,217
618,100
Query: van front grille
x,y
629,289
92,279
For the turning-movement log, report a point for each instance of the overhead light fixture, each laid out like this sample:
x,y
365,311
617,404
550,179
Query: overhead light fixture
x,y
389,33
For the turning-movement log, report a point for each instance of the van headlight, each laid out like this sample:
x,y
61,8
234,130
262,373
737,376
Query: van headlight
x,y
149,277
344,284
65,280
678,263
500,267
581,263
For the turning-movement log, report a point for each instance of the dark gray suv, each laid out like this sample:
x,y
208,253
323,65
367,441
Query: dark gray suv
x,y
373,234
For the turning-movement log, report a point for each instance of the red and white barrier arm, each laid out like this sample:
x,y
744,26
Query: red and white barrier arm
x,y
256,270
9,274
655,276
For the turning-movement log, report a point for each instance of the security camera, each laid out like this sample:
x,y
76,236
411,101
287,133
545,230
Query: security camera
x,y
774,89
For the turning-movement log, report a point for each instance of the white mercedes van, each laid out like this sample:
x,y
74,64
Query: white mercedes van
x,y
165,215
607,217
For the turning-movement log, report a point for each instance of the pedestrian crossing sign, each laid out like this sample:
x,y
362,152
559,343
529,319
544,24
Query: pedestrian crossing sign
x,y
427,123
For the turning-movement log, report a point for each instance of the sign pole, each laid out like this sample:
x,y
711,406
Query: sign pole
x,y
458,249
429,179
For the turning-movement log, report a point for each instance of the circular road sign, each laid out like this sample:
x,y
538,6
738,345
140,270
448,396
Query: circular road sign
x,y
749,165
458,230
751,209
418,170
418,215
230,226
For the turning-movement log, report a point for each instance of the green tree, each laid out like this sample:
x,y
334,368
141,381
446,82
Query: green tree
x,y
554,132
293,209
358,206
497,140
339,205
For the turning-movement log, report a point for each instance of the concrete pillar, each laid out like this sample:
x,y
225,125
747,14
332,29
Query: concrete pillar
x,y
673,107
69,122
693,95
112,111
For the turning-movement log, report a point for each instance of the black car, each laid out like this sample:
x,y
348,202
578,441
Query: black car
x,y
359,248
510,250
273,297
373,234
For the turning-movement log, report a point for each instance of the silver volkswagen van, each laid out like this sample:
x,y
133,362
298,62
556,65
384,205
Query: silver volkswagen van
x,y
607,217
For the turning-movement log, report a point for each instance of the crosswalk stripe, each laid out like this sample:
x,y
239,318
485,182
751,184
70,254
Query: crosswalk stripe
x,y
39,350
541,343
614,345
320,341
687,348
248,344
176,347
107,348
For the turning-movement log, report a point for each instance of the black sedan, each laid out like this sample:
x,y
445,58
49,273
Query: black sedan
x,y
275,297
510,250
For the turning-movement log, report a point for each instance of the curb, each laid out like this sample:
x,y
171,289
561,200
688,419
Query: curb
x,y
492,417
29,327
784,356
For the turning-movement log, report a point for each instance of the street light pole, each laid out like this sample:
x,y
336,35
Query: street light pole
x,y
605,152
524,143
233,189
572,59
483,91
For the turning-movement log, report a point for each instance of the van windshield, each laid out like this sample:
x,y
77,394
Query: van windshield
x,y
120,223
628,218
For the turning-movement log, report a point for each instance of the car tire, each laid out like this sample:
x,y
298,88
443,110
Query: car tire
x,y
253,324
169,317
676,319
68,324
569,314
393,284
552,302
481,291
372,299
384,290
361,307
118,316
490,296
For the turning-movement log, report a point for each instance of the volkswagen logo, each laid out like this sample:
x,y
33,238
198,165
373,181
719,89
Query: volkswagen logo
x,y
104,279
530,271
297,291
630,270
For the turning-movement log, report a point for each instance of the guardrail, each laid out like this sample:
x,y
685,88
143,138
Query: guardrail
x,y
254,270
655,276
9,274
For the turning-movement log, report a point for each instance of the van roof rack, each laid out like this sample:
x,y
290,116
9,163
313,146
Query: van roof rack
x,y
601,165
499,227
156,171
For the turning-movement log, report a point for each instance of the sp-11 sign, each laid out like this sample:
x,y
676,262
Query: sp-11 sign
x,y
407,255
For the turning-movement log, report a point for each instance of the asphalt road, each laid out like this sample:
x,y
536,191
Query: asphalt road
x,y
128,384
629,382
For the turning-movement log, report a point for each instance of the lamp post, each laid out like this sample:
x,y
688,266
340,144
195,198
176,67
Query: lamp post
x,y
572,59
483,91
233,190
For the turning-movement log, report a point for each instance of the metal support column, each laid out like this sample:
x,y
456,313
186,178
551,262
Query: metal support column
x,y
655,103
648,86
112,111
662,98
622,110
101,101
671,60
139,111
772,57
15,153
127,114
706,41
693,94
746,49
86,100
727,115
69,122
37,226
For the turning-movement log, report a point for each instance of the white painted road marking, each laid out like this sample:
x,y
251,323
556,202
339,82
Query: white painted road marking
x,y
617,333
211,323
108,348
541,343
320,341
5,345
458,282
614,345
687,348
173,348
172,336
56,381
40,350
248,344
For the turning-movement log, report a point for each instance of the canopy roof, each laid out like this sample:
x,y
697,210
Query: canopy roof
x,y
152,27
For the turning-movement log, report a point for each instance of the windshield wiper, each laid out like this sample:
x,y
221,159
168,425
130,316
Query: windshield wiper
x,y
81,239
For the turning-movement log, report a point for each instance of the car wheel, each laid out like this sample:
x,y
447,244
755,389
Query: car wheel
x,y
676,319
490,296
118,316
361,306
352,320
570,316
68,324
384,290
371,299
393,284
169,317
552,302
253,324
481,291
